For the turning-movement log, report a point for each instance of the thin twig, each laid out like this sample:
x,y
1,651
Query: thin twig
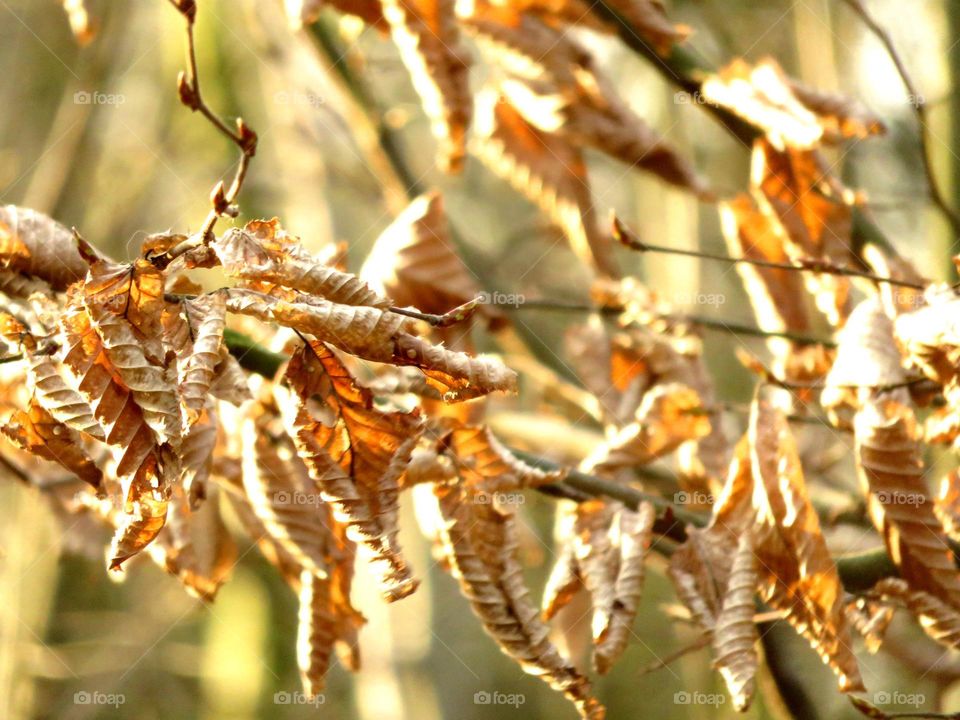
x,y
661,662
701,321
629,239
918,102
222,200
452,317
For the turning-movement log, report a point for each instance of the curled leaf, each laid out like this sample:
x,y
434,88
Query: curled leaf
x,y
428,37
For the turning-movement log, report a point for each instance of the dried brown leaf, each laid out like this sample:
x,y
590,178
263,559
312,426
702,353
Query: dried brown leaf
x,y
548,170
356,454
890,466
668,416
798,575
35,245
939,620
373,334
283,499
735,634
194,331
480,542
263,254
790,114
428,37
37,432
796,187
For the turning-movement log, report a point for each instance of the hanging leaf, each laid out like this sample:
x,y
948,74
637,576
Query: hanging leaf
x,y
548,170
427,35
194,330
480,547
735,633
796,186
797,574
555,84
282,499
669,415
938,619
414,261
195,545
890,467
148,383
790,114
867,357
131,292
775,294
356,453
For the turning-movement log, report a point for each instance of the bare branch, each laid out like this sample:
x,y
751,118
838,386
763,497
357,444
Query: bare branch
x,y
918,103
629,239
222,200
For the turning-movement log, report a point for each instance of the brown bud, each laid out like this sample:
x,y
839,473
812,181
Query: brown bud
x,y
247,138
218,199
188,8
188,95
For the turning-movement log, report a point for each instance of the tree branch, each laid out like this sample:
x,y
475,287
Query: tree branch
x,y
917,101
682,69
629,239
188,87
859,571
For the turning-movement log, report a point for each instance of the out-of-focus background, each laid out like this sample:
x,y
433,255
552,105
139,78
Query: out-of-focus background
x,y
96,138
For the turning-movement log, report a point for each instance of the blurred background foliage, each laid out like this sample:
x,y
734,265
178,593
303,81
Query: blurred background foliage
x,y
135,161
